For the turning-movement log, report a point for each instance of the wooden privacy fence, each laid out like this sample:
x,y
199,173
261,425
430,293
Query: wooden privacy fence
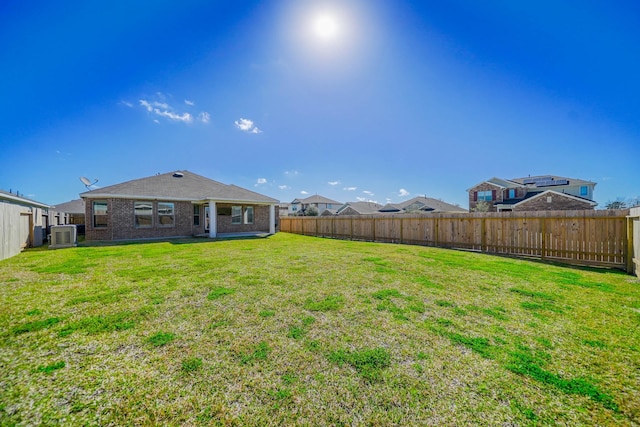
x,y
598,238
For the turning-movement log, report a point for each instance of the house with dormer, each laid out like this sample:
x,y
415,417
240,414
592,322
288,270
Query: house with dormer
x,y
533,193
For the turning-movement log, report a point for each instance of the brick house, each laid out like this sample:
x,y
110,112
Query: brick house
x,y
175,204
548,192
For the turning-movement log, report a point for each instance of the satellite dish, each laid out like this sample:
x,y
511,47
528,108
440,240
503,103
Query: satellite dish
x,y
87,182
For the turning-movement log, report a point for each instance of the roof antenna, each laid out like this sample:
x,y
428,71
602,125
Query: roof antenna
x,y
87,183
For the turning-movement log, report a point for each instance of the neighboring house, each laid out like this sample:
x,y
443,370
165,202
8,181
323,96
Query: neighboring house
x,y
23,223
299,206
175,204
412,206
421,204
329,212
359,208
548,192
74,211
283,209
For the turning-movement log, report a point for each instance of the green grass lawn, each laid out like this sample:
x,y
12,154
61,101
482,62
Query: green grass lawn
x,y
294,330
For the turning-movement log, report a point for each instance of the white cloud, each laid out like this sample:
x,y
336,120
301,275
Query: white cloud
x,y
369,193
284,187
403,193
127,104
333,182
304,192
185,117
146,105
361,199
163,109
350,188
261,181
162,105
204,117
247,125
291,173
191,103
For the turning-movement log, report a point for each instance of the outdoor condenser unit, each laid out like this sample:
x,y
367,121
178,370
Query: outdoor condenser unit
x,y
63,236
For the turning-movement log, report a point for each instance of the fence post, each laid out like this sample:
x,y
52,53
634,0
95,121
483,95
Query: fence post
x,y
436,227
401,227
483,234
373,228
544,239
630,253
351,227
302,225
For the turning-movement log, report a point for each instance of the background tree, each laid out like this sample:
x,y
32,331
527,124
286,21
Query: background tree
x,y
482,206
618,204
311,211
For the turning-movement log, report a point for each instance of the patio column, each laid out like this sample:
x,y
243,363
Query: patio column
x,y
213,216
272,219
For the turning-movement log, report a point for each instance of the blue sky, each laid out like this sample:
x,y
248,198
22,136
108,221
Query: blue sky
x,y
386,101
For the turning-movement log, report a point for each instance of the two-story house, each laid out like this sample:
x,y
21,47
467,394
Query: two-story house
x,y
300,206
533,193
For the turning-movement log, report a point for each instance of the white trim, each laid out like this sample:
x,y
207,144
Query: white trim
x,y
23,201
272,219
213,216
571,196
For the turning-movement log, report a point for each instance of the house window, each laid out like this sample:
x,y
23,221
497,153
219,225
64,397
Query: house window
x,y
99,214
584,190
329,206
294,208
142,214
248,215
484,196
512,193
236,214
166,217
196,214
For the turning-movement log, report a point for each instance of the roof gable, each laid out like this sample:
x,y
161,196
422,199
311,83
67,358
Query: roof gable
x,y
363,208
555,193
429,204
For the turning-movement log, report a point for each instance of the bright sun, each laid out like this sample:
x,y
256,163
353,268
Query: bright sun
x,y
325,27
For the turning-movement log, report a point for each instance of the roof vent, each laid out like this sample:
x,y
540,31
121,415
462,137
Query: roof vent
x,y
178,174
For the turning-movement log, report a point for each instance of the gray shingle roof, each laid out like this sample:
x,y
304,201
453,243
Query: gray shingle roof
x,y
179,185
433,205
72,207
363,208
317,199
572,181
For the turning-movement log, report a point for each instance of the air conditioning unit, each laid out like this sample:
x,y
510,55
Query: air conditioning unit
x,y
63,236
